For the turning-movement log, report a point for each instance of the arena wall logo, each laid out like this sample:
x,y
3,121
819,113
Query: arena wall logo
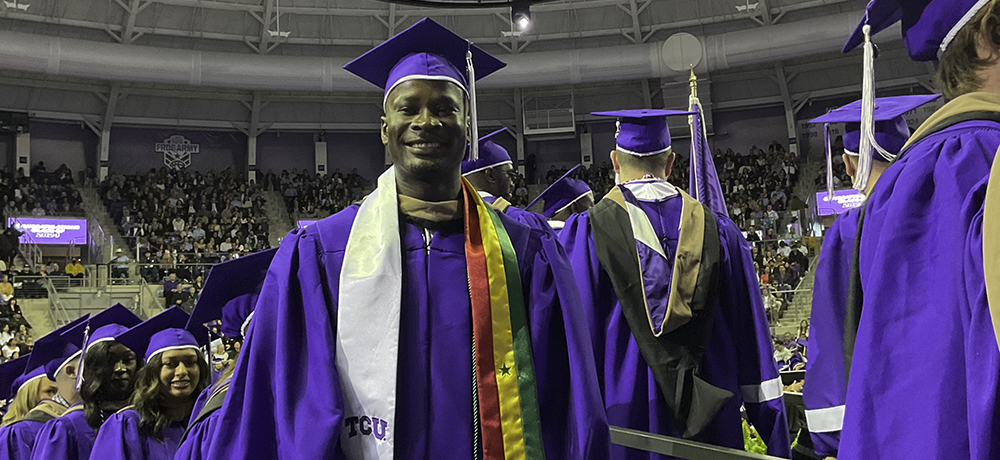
x,y
177,151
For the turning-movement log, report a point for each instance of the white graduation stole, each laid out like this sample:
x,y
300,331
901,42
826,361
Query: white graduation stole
x,y
367,341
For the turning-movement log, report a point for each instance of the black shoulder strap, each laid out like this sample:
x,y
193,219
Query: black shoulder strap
x,y
674,358
855,296
214,403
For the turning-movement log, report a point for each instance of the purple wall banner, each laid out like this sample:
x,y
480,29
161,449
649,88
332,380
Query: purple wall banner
x,y
177,151
50,230
842,201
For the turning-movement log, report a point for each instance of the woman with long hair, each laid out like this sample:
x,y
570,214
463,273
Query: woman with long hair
x,y
107,384
29,389
166,389
55,359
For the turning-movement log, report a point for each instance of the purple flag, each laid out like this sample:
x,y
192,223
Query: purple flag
x,y
704,182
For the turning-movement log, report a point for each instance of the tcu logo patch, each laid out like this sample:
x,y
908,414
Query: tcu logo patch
x,y
366,426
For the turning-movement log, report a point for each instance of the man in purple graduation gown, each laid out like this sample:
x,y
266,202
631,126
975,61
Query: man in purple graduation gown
x,y
108,387
826,382
55,356
492,174
924,371
230,294
697,313
285,400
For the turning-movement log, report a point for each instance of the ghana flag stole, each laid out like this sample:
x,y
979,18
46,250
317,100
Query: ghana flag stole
x,y
506,392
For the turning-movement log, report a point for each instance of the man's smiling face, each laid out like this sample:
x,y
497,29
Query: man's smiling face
x,y
425,129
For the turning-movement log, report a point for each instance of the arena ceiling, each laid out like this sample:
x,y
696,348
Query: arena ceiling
x,y
345,28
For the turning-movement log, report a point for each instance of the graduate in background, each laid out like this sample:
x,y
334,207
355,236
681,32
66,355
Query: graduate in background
x,y
565,197
176,371
106,384
230,294
679,352
492,175
924,371
57,356
27,389
826,383
424,289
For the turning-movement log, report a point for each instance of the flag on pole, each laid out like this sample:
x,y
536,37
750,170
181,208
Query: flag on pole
x,y
704,180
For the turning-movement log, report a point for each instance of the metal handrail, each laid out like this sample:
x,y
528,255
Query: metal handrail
x,y
55,302
33,255
680,448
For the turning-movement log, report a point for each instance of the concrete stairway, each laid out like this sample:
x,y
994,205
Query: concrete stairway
x,y
278,221
801,307
36,311
97,212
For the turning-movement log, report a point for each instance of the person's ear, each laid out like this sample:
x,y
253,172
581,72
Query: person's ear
x,y
850,166
384,131
614,162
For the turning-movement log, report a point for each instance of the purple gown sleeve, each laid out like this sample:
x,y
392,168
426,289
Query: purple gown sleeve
x,y
982,359
17,440
572,411
199,439
825,389
119,439
55,441
285,402
760,383
924,373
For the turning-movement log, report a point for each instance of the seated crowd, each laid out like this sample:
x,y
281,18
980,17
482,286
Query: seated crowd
x,y
44,193
179,222
314,196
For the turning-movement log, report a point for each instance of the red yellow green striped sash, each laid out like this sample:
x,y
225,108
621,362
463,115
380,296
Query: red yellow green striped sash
x,y
505,374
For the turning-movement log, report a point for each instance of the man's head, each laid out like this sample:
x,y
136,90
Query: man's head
x,y
642,136
970,62
65,378
963,35
890,131
428,113
497,181
493,172
631,167
425,129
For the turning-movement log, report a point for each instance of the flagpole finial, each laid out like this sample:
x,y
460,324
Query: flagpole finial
x,y
693,82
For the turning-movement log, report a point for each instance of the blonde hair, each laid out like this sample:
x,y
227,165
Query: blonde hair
x,y
25,400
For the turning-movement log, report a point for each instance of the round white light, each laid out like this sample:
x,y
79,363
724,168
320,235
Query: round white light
x,y
523,23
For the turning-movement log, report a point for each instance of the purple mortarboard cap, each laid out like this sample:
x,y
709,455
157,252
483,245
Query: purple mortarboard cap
x,y
10,373
891,131
929,26
58,348
642,132
424,51
161,333
27,377
110,323
561,194
230,293
490,155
